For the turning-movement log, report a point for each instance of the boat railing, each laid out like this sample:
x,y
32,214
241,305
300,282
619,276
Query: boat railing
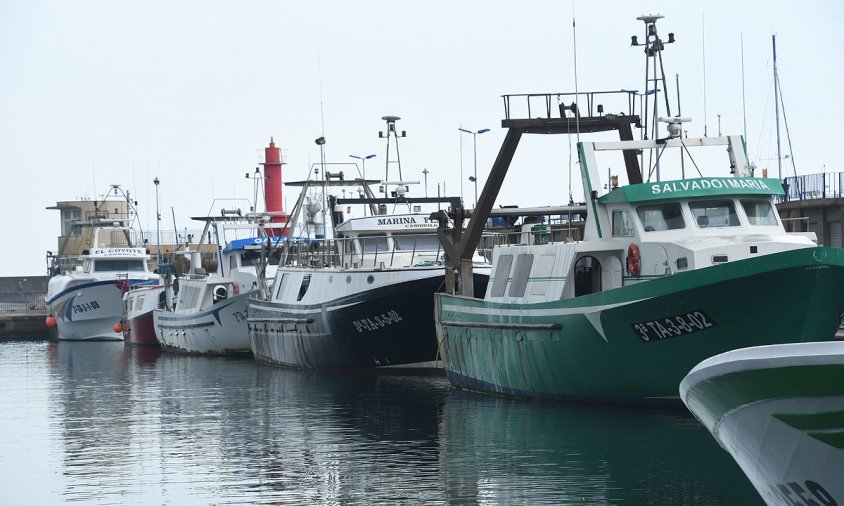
x,y
532,233
381,252
559,105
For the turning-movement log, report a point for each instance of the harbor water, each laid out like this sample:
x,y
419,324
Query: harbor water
x,y
101,423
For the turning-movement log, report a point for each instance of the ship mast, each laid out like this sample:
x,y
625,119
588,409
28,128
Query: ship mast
x,y
777,107
653,51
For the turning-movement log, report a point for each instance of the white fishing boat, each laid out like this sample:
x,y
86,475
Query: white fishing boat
x,y
206,312
779,411
363,297
87,302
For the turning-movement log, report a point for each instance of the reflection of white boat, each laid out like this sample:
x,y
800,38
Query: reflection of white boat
x,y
779,411
87,302
208,313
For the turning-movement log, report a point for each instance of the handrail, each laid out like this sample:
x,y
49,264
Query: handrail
x,y
591,107
824,185
344,252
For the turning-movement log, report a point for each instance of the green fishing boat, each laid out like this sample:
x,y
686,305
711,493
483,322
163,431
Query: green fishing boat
x,y
668,273
779,412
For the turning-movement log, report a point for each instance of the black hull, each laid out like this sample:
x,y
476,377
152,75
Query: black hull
x,y
389,328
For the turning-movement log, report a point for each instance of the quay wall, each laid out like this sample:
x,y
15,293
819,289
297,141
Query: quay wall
x,y
22,308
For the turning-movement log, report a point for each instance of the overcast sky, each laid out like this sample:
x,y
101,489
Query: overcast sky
x,y
95,93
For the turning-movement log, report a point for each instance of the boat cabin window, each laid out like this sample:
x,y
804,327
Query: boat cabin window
x,y
86,266
622,224
419,242
253,257
759,212
303,288
521,271
587,276
232,262
501,275
123,265
714,213
373,243
661,217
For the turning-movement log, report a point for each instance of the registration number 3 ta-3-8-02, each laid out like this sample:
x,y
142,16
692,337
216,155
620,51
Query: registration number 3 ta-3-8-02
x,y
673,326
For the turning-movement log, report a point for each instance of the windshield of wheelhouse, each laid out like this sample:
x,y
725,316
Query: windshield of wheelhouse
x,y
416,242
759,212
714,213
373,243
122,265
660,217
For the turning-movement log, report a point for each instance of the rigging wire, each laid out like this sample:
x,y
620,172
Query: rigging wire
x,y
787,131
577,110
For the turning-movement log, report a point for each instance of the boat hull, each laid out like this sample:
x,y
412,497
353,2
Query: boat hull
x,y
389,327
89,311
218,330
138,326
778,410
140,331
636,343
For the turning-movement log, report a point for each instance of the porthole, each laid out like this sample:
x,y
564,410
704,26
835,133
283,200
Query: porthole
x,y
348,279
370,279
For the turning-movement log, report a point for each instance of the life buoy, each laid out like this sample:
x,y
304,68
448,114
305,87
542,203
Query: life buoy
x,y
235,288
633,260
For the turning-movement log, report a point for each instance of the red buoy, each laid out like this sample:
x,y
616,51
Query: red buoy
x,y
118,327
50,321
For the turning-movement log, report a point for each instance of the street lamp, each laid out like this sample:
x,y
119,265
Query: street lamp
x,y
425,172
363,160
474,179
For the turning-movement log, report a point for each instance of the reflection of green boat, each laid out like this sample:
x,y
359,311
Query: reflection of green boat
x,y
512,451
779,411
669,272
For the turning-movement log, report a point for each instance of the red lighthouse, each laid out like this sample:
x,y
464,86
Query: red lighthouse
x,y
273,183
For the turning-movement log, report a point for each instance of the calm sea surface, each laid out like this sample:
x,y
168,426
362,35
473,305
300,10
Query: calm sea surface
x,y
100,423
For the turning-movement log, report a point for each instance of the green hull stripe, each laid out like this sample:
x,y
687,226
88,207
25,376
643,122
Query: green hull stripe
x,y
827,420
711,399
834,439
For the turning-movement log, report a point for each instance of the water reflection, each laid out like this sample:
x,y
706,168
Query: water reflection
x,y
516,451
134,425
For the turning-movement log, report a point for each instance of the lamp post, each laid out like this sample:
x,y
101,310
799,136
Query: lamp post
x,y
425,173
474,179
363,160
157,226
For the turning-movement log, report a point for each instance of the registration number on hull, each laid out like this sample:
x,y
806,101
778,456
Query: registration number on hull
x,y
673,326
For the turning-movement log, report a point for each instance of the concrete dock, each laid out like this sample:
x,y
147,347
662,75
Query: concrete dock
x,y
25,324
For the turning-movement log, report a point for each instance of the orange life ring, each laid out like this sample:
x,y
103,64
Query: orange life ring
x,y
633,260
